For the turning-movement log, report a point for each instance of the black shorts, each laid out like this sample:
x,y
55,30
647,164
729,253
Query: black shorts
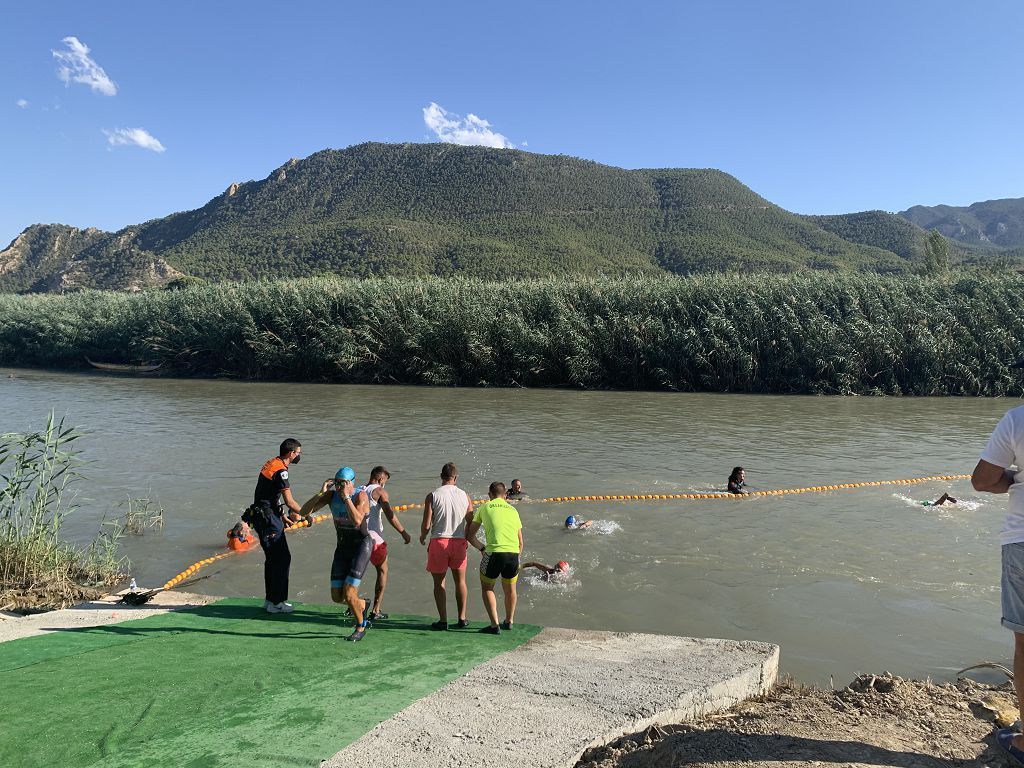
x,y
351,557
495,564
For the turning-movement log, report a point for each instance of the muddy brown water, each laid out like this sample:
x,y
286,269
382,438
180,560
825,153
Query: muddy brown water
x,y
844,581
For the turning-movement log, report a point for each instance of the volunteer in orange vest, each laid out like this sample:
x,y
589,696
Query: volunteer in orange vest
x,y
273,508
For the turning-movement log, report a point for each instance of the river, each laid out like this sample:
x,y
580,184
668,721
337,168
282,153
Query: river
x,y
845,581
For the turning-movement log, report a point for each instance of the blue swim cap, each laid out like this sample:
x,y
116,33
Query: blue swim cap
x,y
345,473
570,521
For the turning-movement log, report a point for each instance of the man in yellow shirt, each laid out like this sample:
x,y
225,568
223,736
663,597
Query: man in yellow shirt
x,y
504,532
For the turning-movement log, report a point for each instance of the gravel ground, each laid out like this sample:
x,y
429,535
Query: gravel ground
x,y
876,720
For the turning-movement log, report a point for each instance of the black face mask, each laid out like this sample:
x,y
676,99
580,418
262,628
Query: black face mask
x,y
296,459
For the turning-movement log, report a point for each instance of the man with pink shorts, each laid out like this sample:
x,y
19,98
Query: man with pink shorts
x,y
445,514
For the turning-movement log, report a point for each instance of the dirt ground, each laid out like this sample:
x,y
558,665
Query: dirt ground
x,y
46,597
876,720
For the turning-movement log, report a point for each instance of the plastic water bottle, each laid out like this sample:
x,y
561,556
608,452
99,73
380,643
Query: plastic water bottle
x,y
133,587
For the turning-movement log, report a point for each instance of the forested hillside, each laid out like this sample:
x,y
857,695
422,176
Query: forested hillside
x,y
439,209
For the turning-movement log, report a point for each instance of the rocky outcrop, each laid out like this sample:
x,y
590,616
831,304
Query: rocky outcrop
x,y
56,258
43,251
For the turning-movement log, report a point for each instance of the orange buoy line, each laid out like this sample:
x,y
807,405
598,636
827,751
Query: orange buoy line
x,y
192,569
722,495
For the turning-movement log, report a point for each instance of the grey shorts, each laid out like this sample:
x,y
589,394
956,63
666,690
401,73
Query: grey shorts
x,y
1013,587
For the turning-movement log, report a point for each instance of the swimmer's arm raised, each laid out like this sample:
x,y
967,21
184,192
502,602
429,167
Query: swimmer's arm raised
x,y
538,566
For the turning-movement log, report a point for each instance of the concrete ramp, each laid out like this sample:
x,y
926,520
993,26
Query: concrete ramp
x,y
547,701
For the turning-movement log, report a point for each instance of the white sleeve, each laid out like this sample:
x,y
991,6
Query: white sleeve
x,y
1001,449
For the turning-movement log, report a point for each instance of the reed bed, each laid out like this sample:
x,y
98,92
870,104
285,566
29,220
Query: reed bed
x,y
809,333
38,569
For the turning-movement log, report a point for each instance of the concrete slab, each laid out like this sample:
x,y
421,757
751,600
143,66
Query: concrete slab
x,y
546,702
97,613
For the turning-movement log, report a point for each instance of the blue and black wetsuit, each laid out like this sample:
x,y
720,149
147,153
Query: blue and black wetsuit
x,y
352,554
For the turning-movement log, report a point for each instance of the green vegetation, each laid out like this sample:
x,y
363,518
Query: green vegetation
x,y
804,333
878,228
37,568
417,210
936,254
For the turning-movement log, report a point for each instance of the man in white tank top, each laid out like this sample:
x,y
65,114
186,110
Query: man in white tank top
x,y
380,503
445,514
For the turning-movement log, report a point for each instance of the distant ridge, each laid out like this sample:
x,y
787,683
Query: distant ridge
x,y
988,224
438,209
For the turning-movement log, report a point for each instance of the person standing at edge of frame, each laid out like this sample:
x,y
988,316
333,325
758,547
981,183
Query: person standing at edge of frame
x,y
992,474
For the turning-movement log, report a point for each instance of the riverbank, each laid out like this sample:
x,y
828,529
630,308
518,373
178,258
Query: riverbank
x,y
101,646
755,333
409,696
876,720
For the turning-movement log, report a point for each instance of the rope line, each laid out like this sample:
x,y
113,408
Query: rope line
x,y
192,569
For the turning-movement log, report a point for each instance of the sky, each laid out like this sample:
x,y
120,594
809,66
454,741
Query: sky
x,y
114,113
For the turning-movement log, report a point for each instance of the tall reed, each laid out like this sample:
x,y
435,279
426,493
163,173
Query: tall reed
x,y
37,567
816,332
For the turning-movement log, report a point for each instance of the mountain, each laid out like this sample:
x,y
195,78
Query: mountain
x,y
437,209
876,228
989,224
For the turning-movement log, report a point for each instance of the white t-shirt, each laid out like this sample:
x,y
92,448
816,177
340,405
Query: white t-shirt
x,y
1005,449
449,506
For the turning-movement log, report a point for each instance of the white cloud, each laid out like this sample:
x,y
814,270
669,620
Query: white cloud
x,y
136,137
23,103
451,128
77,67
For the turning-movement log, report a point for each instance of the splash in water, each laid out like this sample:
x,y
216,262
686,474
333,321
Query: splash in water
x,y
964,504
565,581
603,527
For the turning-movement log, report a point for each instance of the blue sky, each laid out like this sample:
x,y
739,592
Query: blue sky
x,y
822,107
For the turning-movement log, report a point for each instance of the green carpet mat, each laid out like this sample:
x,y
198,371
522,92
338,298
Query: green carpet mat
x,y
222,685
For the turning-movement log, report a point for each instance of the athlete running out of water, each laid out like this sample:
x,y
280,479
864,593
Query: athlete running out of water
x,y
380,502
350,509
504,531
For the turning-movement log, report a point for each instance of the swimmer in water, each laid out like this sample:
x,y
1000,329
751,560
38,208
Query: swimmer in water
x,y
241,531
943,499
548,572
737,480
515,491
574,523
